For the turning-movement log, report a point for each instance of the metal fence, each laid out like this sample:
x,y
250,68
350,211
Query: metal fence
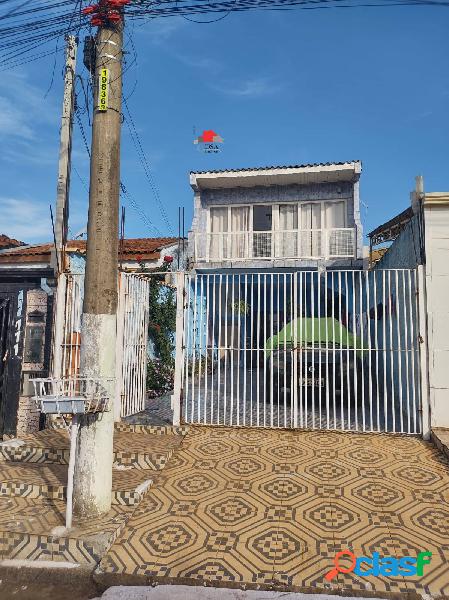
x,y
331,350
132,336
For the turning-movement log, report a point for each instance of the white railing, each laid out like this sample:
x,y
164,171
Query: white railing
x,y
298,243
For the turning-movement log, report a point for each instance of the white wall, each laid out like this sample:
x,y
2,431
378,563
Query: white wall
x,y
437,280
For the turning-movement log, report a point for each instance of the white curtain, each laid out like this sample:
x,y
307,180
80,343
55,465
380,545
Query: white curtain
x,y
239,231
335,214
287,237
339,242
218,230
311,221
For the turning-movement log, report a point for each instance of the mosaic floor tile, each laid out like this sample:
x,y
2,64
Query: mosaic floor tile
x,y
272,507
131,449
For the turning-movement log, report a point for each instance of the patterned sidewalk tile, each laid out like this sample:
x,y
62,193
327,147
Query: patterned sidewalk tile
x,y
52,446
35,481
28,531
253,507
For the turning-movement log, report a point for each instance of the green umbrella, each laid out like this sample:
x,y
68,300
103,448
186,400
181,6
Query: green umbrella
x,y
314,332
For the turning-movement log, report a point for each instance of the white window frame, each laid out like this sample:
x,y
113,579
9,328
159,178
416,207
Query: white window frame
x,y
276,216
275,212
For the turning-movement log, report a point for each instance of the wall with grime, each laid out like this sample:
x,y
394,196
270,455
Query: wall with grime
x,y
274,194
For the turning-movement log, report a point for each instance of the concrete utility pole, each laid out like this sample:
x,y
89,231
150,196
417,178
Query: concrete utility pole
x,y
94,457
65,147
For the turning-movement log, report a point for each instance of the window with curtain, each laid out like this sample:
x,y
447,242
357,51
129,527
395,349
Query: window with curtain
x,y
335,214
287,237
311,234
239,231
217,240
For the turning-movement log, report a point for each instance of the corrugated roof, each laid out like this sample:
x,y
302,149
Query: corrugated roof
x,y
7,242
304,166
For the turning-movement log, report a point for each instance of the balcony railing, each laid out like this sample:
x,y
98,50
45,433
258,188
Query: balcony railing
x,y
272,245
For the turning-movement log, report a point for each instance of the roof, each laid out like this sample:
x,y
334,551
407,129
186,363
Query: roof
x,y
391,229
147,248
304,166
280,175
7,242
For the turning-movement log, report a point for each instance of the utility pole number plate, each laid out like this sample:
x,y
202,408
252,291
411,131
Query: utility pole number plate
x,y
103,89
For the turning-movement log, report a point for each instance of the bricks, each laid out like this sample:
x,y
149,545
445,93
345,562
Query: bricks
x,y
27,416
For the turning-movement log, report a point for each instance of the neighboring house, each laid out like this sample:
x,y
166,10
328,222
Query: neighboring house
x,y
302,216
28,285
134,253
7,242
419,236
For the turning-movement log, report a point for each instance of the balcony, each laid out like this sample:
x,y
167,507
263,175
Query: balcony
x,y
275,245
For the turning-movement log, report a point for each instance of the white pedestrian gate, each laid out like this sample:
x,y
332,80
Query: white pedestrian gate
x,y
132,342
132,336
328,350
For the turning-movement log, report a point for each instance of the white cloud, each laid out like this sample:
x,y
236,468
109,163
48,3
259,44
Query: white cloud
x,y
251,88
201,62
13,120
23,108
25,220
160,30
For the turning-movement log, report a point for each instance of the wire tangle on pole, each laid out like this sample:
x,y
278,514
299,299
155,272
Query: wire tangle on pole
x,y
26,28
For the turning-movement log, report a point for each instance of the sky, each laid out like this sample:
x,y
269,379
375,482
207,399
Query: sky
x,y
280,87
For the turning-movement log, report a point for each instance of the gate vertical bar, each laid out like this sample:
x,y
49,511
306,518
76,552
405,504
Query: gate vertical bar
x,y
220,317
187,353
212,376
406,348
245,333
334,362
362,343
179,347
297,352
423,351
226,351
399,351
412,347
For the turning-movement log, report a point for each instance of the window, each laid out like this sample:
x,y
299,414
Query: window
x,y
295,229
262,226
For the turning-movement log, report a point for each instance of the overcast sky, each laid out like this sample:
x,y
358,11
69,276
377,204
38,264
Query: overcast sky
x,y
280,88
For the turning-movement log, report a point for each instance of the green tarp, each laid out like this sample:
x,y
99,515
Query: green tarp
x,y
313,331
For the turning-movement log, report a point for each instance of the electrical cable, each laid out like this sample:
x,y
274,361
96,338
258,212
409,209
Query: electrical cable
x,y
146,168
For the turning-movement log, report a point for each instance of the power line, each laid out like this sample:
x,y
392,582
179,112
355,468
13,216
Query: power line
x,y
135,205
40,22
144,162
132,201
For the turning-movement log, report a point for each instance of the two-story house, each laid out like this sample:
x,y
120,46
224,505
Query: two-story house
x,y
302,216
274,294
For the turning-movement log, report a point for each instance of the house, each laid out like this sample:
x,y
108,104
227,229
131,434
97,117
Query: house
x,y
418,240
29,284
7,242
134,253
277,289
302,216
